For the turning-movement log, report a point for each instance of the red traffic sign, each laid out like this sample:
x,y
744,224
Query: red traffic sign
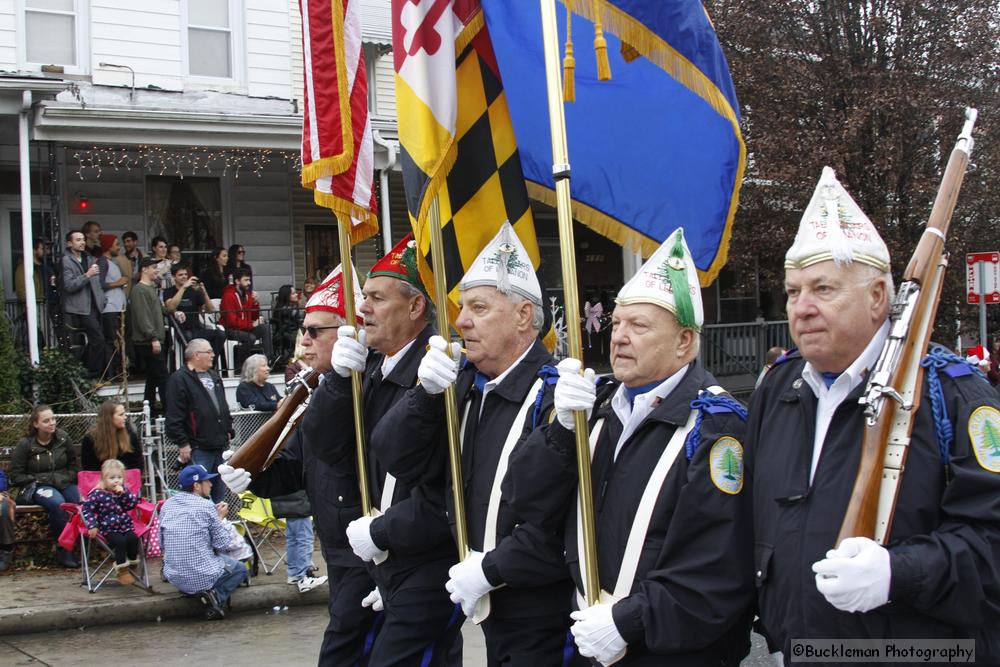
x,y
989,290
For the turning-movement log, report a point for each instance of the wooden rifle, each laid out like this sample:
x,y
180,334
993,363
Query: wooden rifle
x,y
892,395
256,454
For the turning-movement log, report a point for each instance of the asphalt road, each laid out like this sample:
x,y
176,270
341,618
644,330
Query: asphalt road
x,y
291,637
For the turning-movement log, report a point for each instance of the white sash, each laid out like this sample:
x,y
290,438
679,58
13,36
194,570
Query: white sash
x,y
388,489
493,509
643,514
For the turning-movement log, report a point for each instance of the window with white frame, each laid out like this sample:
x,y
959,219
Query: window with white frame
x,y
50,32
210,38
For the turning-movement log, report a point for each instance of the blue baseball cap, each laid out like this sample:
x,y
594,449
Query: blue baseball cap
x,y
194,473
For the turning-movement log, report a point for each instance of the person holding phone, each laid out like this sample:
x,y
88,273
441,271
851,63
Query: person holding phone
x,y
186,301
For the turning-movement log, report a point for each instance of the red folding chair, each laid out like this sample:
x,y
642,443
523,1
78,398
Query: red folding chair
x,y
143,517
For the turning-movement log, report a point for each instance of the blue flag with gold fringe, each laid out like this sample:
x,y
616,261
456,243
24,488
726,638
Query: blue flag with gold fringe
x,y
656,147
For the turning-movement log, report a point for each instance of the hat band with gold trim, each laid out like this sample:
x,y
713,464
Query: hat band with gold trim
x,y
827,256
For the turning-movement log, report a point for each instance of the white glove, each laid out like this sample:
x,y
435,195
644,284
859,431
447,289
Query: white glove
x,y
467,582
573,391
349,353
597,635
373,600
359,534
237,479
855,576
438,369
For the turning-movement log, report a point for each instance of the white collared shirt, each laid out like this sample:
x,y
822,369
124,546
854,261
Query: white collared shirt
x,y
495,382
388,363
631,415
828,398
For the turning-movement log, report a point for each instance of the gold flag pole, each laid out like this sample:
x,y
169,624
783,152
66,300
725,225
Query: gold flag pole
x,y
560,173
347,269
450,402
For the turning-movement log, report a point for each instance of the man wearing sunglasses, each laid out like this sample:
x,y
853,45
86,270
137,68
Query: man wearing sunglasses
x,y
407,543
332,489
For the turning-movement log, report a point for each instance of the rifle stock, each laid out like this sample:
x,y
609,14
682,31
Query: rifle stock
x,y
892,394
256,454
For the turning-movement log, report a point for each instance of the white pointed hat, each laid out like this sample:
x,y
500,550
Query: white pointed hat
x,y
668,279
504,263
851,238
329,294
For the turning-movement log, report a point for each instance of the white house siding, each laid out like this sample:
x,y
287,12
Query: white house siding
x,y
261,218
295,38
8,36
268,41
145,36
385,87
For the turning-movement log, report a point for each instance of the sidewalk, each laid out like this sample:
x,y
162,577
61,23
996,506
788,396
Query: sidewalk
x,y
54,599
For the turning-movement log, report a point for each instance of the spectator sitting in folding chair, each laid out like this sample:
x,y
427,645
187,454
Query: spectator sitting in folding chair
x,y
192,533
106,511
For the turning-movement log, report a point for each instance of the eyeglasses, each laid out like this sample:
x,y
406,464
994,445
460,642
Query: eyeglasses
x,y
313,332
204,351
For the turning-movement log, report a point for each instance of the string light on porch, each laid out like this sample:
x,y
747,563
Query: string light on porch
x,y
181,162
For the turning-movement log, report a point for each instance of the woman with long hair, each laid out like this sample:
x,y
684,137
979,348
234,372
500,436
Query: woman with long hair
x,y
237,255
214,275
286,317
44,468
111,437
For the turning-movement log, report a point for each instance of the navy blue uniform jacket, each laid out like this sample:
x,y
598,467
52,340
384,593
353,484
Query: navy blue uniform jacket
x,y
412,442
945,541
692,594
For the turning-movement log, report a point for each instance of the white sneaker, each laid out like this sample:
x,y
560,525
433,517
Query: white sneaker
x,y
308,583
292,581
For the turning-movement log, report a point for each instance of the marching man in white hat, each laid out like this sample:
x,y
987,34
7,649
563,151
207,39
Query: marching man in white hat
x,y
513,581
674,544
935,575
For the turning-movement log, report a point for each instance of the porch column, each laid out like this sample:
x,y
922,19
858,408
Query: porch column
x,y
27,238
631,263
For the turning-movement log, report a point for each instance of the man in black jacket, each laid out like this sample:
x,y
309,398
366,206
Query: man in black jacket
x,y
408,542
198,419
936,574
672,520
332,486
514,580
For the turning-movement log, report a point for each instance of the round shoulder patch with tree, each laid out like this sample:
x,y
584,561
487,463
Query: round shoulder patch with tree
x,y
725,462
984,434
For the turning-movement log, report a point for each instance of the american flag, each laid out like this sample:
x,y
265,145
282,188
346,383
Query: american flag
x,y
337,151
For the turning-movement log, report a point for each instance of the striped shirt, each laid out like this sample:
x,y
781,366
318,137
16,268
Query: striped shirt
x,y
190,533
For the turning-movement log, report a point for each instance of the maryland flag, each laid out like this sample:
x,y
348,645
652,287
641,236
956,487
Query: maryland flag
x,y
456,135
337,150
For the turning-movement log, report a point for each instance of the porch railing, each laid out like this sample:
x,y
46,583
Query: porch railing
x,y
16,315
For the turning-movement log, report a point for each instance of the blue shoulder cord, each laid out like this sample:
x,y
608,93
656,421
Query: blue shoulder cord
x,y
551,376
702,404
937,358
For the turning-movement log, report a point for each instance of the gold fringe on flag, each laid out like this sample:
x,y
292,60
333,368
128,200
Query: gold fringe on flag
x,y
569,62
601,49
